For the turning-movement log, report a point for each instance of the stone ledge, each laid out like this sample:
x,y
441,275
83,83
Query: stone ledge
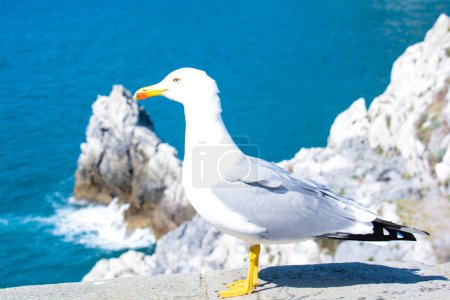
x,y
400,280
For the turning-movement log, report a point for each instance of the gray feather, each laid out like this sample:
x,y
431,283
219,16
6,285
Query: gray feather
x,y
287,207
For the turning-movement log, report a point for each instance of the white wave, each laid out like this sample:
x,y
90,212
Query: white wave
x,y
98,226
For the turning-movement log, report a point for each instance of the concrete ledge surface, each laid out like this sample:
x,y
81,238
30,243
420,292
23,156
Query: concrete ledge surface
x,y
398,280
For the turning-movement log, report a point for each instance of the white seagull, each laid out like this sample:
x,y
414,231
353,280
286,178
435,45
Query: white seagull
x,y
252,199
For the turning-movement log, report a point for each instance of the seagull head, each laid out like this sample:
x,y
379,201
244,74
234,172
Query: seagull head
x,y
186,85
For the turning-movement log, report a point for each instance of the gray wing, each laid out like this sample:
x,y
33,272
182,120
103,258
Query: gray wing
x,y
288,208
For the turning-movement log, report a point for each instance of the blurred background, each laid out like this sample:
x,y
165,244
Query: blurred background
x,y
280,64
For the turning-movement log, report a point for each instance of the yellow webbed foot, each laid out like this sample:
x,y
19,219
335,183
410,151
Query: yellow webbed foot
x,y
242,282
237,288
237,282
244,287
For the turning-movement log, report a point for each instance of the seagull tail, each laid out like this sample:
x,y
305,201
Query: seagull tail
x,y
382,231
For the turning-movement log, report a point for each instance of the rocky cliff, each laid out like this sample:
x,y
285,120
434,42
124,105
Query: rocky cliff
x,y
123,158
393,157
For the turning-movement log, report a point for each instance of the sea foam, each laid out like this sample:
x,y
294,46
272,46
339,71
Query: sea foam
x,y
98,226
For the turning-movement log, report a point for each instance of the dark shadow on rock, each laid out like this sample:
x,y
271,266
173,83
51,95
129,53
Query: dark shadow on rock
x,y
340,274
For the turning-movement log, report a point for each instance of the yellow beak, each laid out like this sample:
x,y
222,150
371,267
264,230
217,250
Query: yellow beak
x,y
147,92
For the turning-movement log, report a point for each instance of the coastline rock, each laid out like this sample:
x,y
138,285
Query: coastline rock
x,y
391,157
124,158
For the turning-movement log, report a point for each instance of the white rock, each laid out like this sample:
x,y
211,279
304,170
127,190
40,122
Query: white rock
x,y
443,168
405,251
124,158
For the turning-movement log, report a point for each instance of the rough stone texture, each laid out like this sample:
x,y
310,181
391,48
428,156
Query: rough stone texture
x,y
390,157
386,156
393,157
399,280
179,286
196,246
178,252
343,281
124,158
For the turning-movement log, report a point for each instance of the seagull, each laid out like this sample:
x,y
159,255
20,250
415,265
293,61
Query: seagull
x,y
250,198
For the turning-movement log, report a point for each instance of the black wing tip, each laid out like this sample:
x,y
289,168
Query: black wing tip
x,y
401,228
383,231
369,237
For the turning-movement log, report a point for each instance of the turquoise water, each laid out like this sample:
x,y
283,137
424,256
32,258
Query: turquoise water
x,y
284,68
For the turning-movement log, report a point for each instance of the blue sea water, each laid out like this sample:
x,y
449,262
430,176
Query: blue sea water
x,y
285,70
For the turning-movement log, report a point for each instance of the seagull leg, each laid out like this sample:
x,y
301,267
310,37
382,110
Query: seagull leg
x,y
255,275
256,268
246,286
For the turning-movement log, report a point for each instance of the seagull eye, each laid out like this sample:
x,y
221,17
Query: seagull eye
x,y
176,80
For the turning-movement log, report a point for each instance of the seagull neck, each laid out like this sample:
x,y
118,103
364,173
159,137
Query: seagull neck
x,y
205,127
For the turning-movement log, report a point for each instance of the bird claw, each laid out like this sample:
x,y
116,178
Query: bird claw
x,y
239,283
237,288
235,283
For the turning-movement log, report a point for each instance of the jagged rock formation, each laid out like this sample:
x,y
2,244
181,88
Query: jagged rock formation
x,y
393,157
124,158
396,152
